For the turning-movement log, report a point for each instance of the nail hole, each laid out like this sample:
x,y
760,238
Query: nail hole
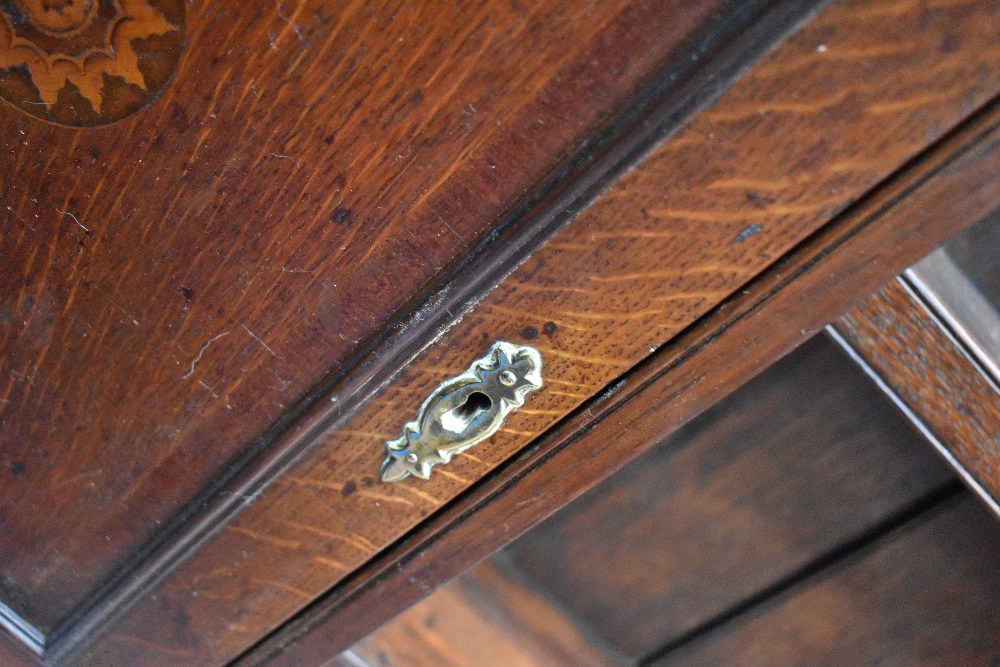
x,y
458,420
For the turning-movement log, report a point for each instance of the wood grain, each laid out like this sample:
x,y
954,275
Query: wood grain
x,y
877,102
804,457
171,285
927,594
488,617
672,239
927,370
948,189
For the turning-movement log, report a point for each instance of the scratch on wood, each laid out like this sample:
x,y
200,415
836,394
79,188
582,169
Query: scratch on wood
x,y
214,395
371,495
506,429
445,223
614,317
276,541
566,393
283,586
257,338
359,543
331,563
420,494
285,157
201,352
127,314
473,457
296,29
75,219
451,475
76,478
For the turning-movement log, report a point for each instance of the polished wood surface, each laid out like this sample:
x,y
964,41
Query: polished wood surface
x,y
927,370
572,279
237,297
174,284
805,457
710,515
946,190
927,594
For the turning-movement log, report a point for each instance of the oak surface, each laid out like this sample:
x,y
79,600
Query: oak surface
x,y
947,189
927,594
729,194
172,284
801,459
928,371
737,187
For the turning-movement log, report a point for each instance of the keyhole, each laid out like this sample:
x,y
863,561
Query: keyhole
x,y
458,420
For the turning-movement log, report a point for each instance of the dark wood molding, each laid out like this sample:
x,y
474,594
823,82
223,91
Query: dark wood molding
x,y
949,187
694,74
173,232
909,351
696,205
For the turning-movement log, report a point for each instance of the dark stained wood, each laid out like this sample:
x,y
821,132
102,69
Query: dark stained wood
x,y
927,370
808,150
927,594
666,244
946,190
488,617
801,459
173,283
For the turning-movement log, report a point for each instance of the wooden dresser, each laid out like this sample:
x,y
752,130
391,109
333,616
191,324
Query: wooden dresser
x,y
242,245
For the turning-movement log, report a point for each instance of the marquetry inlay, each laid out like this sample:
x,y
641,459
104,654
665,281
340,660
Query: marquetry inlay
x,y
87,62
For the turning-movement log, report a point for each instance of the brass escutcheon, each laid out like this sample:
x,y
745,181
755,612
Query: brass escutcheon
x,y
464,411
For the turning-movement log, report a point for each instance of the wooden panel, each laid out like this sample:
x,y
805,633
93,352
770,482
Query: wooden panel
x,y
305,534
926,595
732,191
801,459
173,283
927,370
487,617
947,189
